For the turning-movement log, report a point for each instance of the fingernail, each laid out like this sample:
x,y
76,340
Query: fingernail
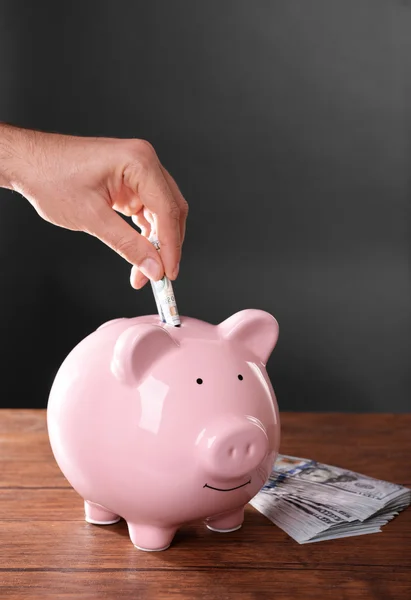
x,y
151,269
141,283
176,270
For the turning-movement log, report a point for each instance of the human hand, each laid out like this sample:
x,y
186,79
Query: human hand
x,y
79,183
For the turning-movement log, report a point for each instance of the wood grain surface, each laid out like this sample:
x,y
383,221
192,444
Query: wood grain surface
x,y
47,550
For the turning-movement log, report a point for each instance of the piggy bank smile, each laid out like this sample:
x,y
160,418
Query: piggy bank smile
x,y
210,487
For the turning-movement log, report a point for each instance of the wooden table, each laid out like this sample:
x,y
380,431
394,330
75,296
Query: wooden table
x,y
47,550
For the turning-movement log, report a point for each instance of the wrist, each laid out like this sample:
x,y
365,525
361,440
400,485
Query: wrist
x,y
14,147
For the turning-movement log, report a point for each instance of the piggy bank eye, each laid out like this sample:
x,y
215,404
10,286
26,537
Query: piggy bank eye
x,y
240,377
199,381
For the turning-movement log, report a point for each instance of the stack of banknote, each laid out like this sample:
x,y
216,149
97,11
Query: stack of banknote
x,y
312,501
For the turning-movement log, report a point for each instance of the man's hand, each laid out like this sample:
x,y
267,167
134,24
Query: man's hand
x,y
78,183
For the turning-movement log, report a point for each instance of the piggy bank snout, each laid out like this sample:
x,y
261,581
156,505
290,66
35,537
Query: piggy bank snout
x,y
234,449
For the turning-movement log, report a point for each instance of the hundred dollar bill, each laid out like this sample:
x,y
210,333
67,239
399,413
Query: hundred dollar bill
x,y
164,296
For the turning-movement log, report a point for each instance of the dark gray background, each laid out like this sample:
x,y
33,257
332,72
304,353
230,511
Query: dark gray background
x,y
285,124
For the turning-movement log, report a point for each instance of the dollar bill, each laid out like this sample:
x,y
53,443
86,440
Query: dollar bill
x,y
164,296
313,501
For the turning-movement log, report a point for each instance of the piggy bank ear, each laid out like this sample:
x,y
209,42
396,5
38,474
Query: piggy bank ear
x,y
255,329
137,349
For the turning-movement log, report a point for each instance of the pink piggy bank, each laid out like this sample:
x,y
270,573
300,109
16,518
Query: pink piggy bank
x,y
164,425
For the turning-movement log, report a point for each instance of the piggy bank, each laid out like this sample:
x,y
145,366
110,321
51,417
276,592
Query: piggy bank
x,y
163,425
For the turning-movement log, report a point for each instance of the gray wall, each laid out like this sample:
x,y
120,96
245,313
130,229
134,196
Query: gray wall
x,y
286,124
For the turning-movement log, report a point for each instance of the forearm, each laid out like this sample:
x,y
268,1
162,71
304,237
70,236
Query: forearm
x,y
14,147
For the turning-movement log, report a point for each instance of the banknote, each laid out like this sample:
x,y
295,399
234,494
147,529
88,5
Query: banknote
x,y
313,501
164,296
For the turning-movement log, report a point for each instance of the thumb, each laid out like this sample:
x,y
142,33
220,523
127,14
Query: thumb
x,y
114,231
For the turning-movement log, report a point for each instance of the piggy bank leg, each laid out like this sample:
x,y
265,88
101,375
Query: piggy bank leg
x,y
230,521
151,538
98,515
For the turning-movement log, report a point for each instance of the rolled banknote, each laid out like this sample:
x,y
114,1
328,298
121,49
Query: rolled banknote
x,y
164,296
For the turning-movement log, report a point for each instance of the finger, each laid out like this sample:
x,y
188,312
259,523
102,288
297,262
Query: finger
x,y
137,279
141,222
113,230
127,202
147,181
181,202
148,215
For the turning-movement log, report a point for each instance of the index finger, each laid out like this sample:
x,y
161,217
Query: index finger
x,y
181,202
146,179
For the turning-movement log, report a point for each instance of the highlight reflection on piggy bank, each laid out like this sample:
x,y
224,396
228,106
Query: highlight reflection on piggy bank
x,y
165,425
